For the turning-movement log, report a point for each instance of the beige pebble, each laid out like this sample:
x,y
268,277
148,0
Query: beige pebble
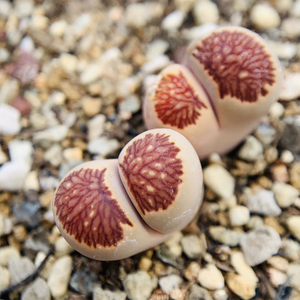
x,y
211,277
279,263
241,286
145,263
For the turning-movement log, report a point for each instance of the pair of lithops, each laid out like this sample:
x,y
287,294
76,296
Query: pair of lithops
x,y
112,209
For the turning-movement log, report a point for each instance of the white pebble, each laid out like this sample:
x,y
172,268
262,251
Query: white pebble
x,y
170,283
279,263
252,149
139,285
156,48
59,277
219,180
294,274
264,16
99,294
263,203
173,244
68,62
12,175
62,247
37,290
206,12
285,51
239,215
130,104
225,236
277,277
6,253
32,181
238,261
20,151
290,28
24,8
211,277
5,8
287,157
293,224
54,134
285,194
259,244
199,31
4,273
20,268
103,146
54,155
291,88
96,126
156,64
173,21
58,28
140,14
10,120
276,110
39,22
193,246
295,9
4,55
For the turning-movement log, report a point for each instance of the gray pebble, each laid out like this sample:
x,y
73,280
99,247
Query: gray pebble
x,y
20,268
198,293
100,294
38,290
260,244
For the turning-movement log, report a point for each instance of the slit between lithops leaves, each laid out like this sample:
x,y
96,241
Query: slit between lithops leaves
x,y
208,96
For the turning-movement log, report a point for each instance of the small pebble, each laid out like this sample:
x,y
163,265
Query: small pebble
x,y
263,202
238,261
290,89
293,224
265,134
156,64
173,244
193,246
225,236
4,55
10,123
139,285
91,106
206,12
5,277
156,48
145,263
6,253
57,28
294,273
280,173
285,194
37,290
290,27
12,175
287,157
285,51
62,247
31,181
20,268
20,151
239,215
241,286
140,14
276,110
198,293
130,104
277,277
219,180
103,146
220,295
264,16
96,126
170,283
99,294
259,244
54,134
71,154
59,277
279,263
252,149
211,277
192,271
173,21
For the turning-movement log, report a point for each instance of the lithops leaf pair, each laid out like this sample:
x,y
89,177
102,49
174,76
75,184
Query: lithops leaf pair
x,y
112,209
226,82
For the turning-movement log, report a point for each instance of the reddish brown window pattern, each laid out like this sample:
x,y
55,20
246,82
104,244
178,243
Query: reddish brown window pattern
x,y
176,102
152,171
86,209
239,65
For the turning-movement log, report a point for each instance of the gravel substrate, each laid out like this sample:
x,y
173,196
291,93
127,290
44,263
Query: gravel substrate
x,y
71,88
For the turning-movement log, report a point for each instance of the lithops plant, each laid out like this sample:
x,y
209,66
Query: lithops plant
x,y
158,170
226,82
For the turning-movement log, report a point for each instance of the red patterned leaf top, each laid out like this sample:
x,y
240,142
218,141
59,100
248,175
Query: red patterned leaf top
x,y
240,65
176,102
86,209
152,171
